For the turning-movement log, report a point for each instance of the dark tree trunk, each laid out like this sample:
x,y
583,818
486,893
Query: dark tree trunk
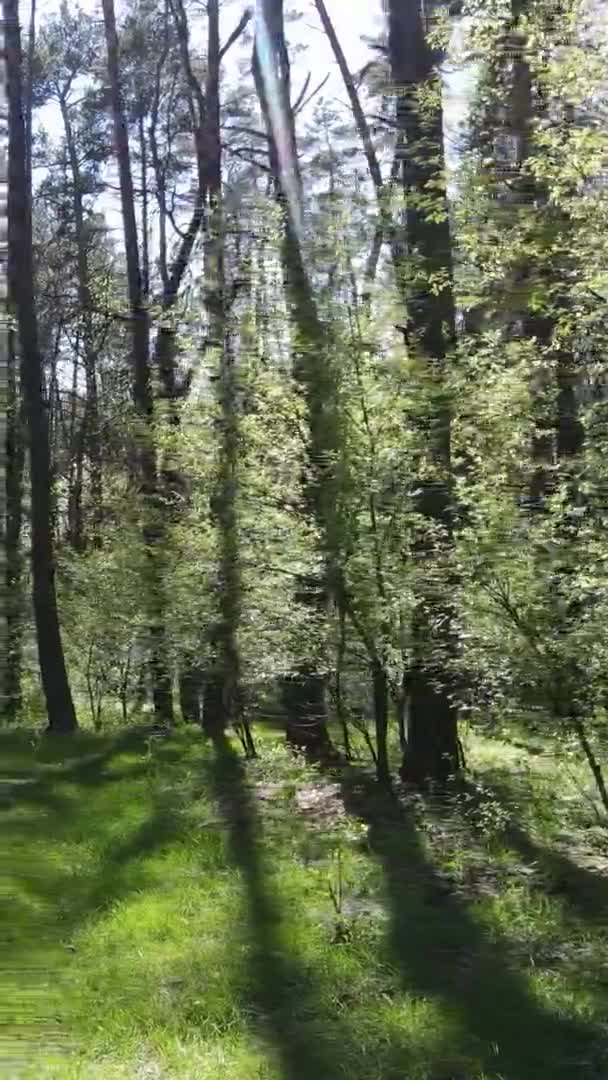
x,y
380,687
341,713
305,706
214,720
60,707
191,682
145,223
225,633
162,690
432,743
223,683
432,750
75,534
15,599
402,702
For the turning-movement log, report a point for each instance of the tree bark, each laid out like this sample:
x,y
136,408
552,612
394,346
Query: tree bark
x,y
153,530
432,750
15,599
305,689
4,400
384,228
60,707
191,684
226,708
380,688
91,424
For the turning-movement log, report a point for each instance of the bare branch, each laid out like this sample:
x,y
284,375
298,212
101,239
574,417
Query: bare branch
x,y
236,33
246,131
302,93
355,102
312,95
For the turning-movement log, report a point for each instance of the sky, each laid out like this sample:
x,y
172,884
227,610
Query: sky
x,y
351,19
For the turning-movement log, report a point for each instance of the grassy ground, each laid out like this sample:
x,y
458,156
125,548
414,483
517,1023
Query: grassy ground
x,y
170,911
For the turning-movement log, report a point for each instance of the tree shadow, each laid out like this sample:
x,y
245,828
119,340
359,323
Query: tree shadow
x,y
583,890
283,996
55,883
50,899
443,953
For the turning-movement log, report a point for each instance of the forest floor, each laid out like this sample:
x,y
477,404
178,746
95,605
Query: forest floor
x,y
168,910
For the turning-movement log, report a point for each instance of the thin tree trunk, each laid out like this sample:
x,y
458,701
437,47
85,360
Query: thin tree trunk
x,y
355,103
383,228
91,433
145,226
60,707
340,706
15,599
29,91
153,531
402,713
432,743
191,684
380,687
158,166
592,761
225,634
221,696
76,443
5,404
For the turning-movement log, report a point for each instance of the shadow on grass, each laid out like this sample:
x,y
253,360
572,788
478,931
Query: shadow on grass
x,y
74,843
52,887
443,953
283,995
584,890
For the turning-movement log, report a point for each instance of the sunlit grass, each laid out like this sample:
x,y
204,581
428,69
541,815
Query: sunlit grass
x,y
169,911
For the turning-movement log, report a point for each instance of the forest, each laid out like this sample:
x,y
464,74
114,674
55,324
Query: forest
x,y
303,543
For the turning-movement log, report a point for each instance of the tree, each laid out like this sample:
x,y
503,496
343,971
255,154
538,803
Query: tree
x,y
14,596
142,388
60,707
305,690
426,273
5,696
66,52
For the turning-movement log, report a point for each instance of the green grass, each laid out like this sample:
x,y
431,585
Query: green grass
x,y
169,911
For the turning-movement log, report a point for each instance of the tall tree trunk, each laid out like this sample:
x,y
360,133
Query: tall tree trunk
x,y
228,706
305,690
191,686
432,745
4,400
60,707
91,433
15,599
380,688
145,222
153,530
205,117
221,688
384,228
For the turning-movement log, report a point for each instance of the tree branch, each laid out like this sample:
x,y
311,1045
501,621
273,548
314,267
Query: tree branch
x,y
236,33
